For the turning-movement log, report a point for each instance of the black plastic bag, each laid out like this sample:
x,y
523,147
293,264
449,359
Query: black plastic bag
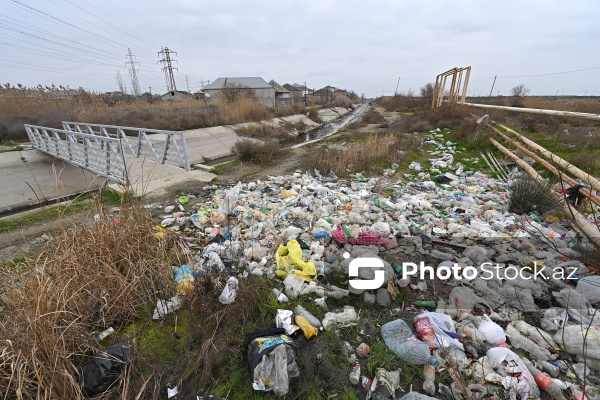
x,y
104,369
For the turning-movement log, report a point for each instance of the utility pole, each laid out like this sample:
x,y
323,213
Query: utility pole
x,y
305,95
133,74
168,67
150,87
202,82
492,89
187,81
397,84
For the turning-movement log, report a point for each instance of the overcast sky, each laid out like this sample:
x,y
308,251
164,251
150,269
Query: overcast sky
x,y
363,46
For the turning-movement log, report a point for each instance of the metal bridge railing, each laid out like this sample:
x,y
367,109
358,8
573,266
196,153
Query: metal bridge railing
x,y
162,146
101,155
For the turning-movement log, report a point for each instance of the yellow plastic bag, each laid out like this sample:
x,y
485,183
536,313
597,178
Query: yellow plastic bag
x,y
186,286
289,193
306,327
290,257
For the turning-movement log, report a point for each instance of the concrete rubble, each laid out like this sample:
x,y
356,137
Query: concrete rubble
x,y
520,324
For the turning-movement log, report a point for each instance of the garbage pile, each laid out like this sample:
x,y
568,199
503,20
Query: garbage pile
x,y
515,314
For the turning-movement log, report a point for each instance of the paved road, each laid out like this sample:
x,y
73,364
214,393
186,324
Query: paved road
x,y
28,177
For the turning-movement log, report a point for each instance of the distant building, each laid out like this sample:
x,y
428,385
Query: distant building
x,y
295,92
176,95
225,87
282,95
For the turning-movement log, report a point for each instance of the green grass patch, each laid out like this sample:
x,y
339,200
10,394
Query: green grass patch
x,y
17,148
221,168
81,203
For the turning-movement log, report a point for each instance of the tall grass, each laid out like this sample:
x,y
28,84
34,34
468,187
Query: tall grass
x,y
256,150
374,153
49,108
403,102
91,277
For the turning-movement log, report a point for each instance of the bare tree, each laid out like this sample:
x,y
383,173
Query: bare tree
x,y
233,91
520,90
427,91
121,82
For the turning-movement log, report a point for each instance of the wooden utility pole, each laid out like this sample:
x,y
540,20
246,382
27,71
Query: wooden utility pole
x,y
492,89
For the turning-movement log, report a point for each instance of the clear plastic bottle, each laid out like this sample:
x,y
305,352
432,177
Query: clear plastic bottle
x,y
354,375
577,394
550,369
314,321
544,381
281,297
429,375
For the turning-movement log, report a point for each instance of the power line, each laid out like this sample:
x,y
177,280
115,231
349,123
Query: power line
x,y
549,74
48,69
24,49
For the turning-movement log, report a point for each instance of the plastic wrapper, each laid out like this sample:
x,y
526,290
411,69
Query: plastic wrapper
x,y
164,307
285,319
398,336
437,330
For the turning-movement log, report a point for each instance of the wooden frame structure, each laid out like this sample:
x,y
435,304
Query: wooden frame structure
x,y
455,86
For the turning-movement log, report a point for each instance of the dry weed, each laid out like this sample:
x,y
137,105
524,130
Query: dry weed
x,y
91,277
376,151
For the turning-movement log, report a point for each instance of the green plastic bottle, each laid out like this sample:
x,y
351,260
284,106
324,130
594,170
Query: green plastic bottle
x,y
347,231
424,303
534,216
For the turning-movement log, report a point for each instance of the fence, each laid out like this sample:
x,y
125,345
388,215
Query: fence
x,y
101,155
162,146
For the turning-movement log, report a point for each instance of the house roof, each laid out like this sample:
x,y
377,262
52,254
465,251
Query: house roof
x,y
292,88
177,91
250,82
278,88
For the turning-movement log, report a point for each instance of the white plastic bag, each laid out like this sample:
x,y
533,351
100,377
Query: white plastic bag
x,y
493,333
227,205
229,291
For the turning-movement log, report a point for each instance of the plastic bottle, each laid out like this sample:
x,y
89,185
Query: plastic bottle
x,y
178,214
521,342
354,375
347,231
429,375
544,381
424,303
561,366
550,369
548,326
281,297
385,203
106,333
577,394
